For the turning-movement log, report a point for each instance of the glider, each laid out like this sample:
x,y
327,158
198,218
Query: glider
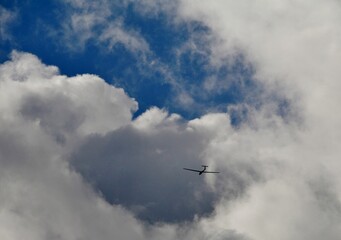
x,y
200,171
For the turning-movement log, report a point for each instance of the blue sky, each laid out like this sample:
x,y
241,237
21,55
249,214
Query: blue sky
x,y
177,61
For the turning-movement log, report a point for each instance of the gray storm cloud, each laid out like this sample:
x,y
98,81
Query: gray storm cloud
x,y
75,166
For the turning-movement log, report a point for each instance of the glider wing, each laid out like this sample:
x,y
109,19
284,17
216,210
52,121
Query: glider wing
x,y
193,170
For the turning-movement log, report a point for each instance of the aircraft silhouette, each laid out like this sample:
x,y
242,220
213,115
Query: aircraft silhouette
x,y
200,171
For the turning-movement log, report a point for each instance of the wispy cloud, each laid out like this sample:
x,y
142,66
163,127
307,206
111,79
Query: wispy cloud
x,y
6,18
88,21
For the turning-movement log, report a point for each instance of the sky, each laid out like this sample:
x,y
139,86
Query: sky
x,y
103,103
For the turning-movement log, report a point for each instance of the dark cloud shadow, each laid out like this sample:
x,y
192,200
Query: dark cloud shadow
x,y
56,114
143,173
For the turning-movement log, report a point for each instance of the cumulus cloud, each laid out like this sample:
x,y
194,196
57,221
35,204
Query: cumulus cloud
x,y
43,114
74,165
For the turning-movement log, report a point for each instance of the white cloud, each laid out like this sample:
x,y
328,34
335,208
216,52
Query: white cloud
x,y
40,197
292,43
95,21
6,18
47,117
40,88
294,49
153,118
115,33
